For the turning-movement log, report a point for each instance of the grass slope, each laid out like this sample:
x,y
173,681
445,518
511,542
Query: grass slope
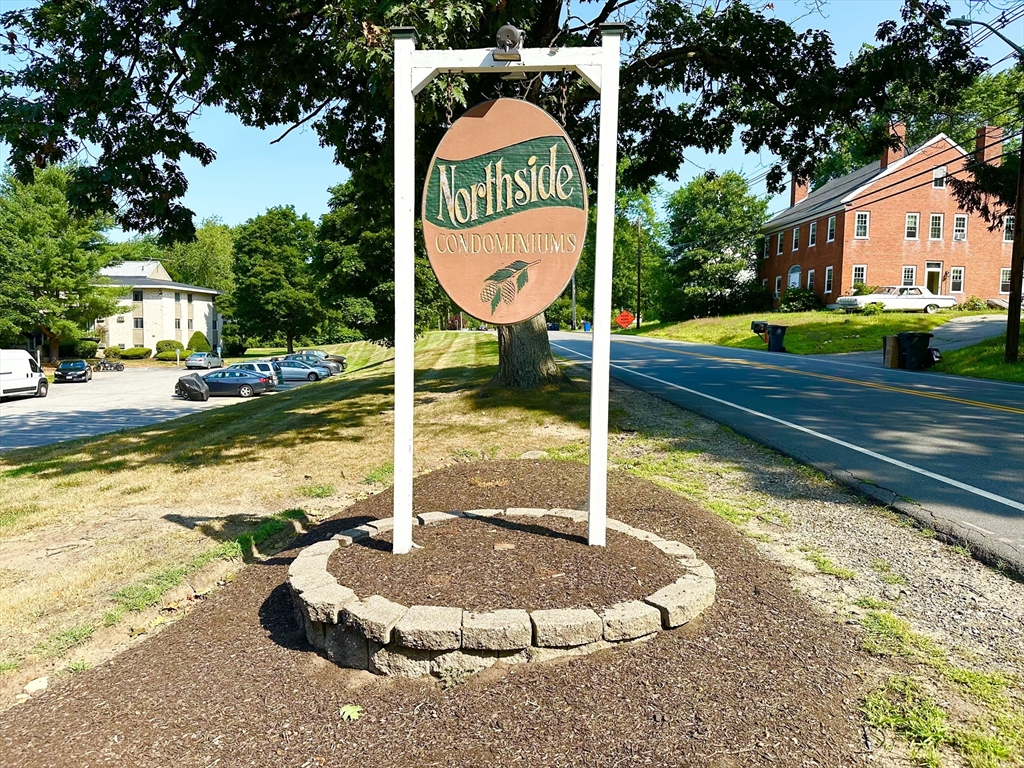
x,y
984,361
809,333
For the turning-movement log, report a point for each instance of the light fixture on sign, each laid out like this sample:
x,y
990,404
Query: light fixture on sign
x,y
510,40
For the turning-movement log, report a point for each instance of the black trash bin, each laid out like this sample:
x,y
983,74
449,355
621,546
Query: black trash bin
x,y
776,333
914,354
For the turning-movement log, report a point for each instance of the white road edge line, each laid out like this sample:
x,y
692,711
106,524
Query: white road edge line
x,y
895,462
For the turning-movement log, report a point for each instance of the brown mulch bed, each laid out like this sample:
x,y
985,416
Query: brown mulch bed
x,y
758,680
551,566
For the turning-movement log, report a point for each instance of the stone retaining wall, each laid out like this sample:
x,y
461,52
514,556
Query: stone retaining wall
x,y
387,638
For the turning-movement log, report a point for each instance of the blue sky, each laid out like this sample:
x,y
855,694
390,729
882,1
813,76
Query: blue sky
x,y
250,174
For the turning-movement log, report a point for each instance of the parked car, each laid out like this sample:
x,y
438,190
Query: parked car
x,y
192,387
899,298
296,370
20,375
203,360
72,370
238,383
263,367
316,361
340,359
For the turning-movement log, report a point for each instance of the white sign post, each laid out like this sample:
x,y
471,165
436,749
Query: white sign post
x,y
414,70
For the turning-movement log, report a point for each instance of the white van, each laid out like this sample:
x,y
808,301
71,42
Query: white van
x,y
20,375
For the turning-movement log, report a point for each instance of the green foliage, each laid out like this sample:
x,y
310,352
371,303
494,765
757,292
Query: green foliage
x,y
205,261
173,354
860,289
112,353
274,283
49,260
902,707
800,300
985,360
169,345
972,304
874,308
61,642
381,474
317,490
79,348
136,353
826,566
714,232
351,712
199,343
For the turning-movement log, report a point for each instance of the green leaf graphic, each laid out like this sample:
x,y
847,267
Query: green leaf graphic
x,y
505,283
495,300
523,279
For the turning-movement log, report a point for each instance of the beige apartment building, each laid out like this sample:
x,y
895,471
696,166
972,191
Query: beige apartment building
x,y
157,309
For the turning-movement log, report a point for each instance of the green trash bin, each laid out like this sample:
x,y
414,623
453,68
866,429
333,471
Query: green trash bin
x,y
914,354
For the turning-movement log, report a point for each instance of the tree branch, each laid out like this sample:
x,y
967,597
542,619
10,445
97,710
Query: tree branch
x,y
306,119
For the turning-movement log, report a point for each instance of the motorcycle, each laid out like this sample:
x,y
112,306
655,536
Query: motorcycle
x,y
107,365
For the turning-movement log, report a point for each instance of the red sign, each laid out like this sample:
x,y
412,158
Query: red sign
x,y
625,319
504,211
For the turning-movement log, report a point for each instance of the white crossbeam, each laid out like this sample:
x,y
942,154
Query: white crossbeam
x,y
429,64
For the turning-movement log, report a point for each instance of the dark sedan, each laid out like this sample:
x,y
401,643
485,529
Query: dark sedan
x,y
316,361
72,370
237,383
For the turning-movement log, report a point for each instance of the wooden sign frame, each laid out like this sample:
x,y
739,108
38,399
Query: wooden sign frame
x,y
414,70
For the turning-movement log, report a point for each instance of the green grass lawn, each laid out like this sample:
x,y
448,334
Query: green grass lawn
x,y
983,361
809,333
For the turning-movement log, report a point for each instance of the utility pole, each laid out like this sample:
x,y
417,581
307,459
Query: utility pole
x,y
574,300
638,272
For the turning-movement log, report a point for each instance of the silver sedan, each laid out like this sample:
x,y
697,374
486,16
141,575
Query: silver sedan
x,y
296,370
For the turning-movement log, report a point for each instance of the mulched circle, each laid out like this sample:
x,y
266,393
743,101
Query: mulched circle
x,y
759,679
551,566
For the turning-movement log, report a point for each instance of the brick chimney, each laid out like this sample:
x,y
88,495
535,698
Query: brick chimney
x,y
988,144
797,191
890,155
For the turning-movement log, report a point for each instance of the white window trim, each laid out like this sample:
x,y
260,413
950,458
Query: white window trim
x,y
1009,275
830,232
137,323
939,175
810,279
778,286
796,238
812,234
778,250
867,225
963,279
960,217
1008,225
828,280
913,275
917,226
942,226
853,274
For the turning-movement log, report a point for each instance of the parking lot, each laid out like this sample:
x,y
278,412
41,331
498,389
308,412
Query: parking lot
x,y
111,401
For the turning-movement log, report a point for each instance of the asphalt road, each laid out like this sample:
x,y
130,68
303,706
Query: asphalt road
x,y
946,449
111,401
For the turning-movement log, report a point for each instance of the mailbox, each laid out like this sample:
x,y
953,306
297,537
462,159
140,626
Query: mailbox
x,y
760,327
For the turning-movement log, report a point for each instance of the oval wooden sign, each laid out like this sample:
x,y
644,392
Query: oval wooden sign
x,y
504,211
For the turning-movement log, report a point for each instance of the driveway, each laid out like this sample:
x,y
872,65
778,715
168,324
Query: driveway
x,y
111,401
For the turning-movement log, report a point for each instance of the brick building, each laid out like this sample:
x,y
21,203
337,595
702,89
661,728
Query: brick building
x,y
893,222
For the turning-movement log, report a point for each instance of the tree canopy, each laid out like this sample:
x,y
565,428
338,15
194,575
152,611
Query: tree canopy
x,y
50,261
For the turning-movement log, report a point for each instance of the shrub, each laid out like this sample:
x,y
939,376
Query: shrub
x,y
972,304
860,289
136,353
874,308
171,354
199,343
86,348
112,353
799,300
168,345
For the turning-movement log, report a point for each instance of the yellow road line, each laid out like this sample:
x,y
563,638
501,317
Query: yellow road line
x,y
873,385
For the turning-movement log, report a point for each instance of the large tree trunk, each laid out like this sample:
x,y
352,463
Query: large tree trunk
x,y
291,347
524,356
54,345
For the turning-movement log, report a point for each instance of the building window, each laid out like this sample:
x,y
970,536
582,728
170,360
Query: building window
x,y
860,274
796,238
764,283
960,227
831,229
828,279
177,323
939,177
909,275
778,285
860,230
935,227
912,221
956,280
136,295
1004,280
177,296
190,298
767,246
793,278
812,237
779,249
190,325
120,346
1008,229
137,322
810,279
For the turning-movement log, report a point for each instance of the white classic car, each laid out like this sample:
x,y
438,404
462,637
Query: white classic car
x,y
899,298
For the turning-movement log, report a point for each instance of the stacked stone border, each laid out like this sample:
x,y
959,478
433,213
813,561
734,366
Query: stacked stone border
x,y
387,638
